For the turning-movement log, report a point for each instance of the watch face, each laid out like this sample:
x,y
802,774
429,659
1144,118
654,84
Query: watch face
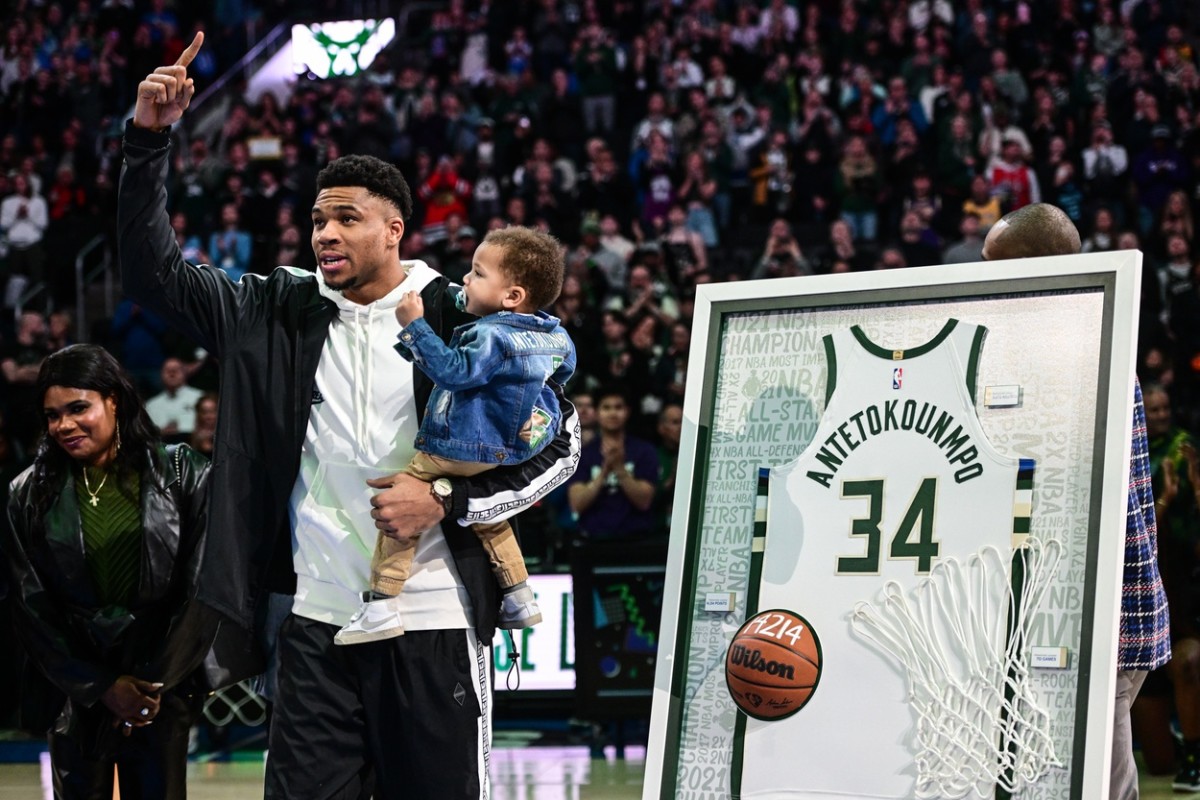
x,y
442,488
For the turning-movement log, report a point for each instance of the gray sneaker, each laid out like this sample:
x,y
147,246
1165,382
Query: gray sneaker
x,y
374,620
519,609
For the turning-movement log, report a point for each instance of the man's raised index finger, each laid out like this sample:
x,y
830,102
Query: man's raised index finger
x,y
185,58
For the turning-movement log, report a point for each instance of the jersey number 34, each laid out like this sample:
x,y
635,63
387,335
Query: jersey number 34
x,y
917,522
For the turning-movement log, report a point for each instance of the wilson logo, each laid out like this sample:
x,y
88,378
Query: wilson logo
x,y
742,656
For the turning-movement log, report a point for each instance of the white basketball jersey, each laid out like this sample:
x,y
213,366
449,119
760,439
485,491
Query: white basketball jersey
x,y
898,476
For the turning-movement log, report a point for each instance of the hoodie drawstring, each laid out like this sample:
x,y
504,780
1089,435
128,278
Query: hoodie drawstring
x,y
362,374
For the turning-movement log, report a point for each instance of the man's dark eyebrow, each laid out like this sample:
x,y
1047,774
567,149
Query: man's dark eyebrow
x,y
339,207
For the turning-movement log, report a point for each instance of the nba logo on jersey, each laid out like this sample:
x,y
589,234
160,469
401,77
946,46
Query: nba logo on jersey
x,y
897,377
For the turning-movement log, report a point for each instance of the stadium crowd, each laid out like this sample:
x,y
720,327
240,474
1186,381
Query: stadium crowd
x,y
666,143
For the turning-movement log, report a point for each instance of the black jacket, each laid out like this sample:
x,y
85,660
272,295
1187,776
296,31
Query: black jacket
x,y
57,613
268,334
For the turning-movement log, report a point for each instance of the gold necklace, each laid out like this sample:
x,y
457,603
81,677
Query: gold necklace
x,y
95,501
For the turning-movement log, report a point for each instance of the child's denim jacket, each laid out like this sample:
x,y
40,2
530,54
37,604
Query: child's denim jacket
x,y
498,373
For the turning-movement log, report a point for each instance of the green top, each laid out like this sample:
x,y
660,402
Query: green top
x,y
112,537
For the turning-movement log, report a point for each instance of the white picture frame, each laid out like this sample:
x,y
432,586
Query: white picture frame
x,y
1091,297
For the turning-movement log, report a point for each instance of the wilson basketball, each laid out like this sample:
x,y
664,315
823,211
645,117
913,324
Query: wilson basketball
x,y
773,664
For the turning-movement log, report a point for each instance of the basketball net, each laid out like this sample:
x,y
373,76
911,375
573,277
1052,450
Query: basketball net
x,y
962,637
237,703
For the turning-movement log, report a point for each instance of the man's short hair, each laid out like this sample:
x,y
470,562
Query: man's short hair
x,y
1035,230
1154,388
614,389
662,414
375,175
532,260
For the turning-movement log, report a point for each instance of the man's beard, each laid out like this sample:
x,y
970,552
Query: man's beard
x,y
342,286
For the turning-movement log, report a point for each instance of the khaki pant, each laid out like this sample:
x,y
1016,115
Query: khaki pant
x,y
393,559
1123,781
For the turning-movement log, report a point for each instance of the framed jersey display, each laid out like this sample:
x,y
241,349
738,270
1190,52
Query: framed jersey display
x,y
897,540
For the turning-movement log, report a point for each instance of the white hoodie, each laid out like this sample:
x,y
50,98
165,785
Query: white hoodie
x,y
362,425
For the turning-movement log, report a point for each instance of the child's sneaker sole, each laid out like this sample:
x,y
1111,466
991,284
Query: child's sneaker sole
x,y
518,624
374,620
519,609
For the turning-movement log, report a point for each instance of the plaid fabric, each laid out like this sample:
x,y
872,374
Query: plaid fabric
x,y
1145,638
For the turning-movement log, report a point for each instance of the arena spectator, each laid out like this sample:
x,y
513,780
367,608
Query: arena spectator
x,y
655,181
65,197
720,88
841,248
773,177
782,250
999,133
718,159
173,409
1063,188
597,74
1012,180
612,238
920,246
59,332
1175,469
563,117
20,360
1175,217
983,203
968,249
603,270
649,290
204,428
698,194
231,247
656,121
23,219
1103,232
291,250
891,257
745,136
605,189
859,184
1105,165
613,489
1157,171
138,335
956,164
1108,35
896,107
921,198
443,193
683,248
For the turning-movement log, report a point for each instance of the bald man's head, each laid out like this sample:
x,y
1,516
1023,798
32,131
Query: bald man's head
x,y
1035,230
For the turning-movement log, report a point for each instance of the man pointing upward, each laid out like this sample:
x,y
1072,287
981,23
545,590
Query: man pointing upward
x,y
318,417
